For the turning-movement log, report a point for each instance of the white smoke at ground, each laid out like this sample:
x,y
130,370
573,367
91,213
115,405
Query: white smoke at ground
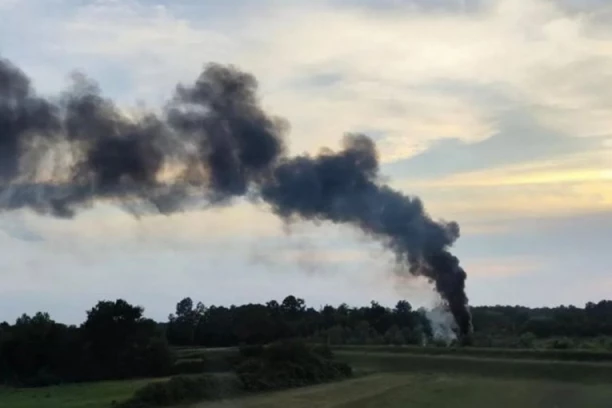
x,y
442,323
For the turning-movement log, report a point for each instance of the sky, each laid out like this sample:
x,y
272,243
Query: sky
x,y
497,113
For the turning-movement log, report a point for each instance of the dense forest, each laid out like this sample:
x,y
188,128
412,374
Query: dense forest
x,y
494,326
116,341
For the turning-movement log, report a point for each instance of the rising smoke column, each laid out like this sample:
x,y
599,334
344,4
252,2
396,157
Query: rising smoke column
x,y
213,140
343,187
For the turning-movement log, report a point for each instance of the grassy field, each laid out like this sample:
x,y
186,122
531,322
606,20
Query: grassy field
x,y
490,352
382,390
392,390
91,395
419,381
395,379
477,352
374,361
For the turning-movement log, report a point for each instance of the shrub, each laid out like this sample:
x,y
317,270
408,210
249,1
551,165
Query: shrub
x,y
195,366
323,351
281,365
290,364
156,358
206,362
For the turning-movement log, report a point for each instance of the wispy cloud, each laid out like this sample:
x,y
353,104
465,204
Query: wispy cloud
x,y
572,184
109,226
391,68
500,267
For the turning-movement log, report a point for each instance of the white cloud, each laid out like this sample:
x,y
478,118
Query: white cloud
x,y
393,72
502,267
241,222
409,76
156,262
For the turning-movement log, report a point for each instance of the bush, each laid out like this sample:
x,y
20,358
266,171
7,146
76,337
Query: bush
x,y
195,366
184,389
156,359
290,364
206,361
278,366
323,351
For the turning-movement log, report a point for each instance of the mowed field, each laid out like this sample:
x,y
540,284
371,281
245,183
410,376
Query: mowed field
x,y
404,379
394,390
388,379
90,395
457,365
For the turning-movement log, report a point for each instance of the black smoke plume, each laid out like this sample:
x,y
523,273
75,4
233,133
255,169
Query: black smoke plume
x,y
212,140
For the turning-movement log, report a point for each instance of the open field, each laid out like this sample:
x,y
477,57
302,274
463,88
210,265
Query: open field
x,y
503,368
382,390
477,352
392,390
471,361
90,395
490,352
395,379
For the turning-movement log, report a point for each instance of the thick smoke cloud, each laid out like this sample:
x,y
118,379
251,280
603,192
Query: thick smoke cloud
x,y
236,140
23,116
343,187
215,142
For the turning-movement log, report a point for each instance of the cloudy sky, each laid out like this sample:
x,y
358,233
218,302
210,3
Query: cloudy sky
x,y
497,113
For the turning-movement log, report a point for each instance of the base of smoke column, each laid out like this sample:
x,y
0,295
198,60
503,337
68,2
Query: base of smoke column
x,y
465,340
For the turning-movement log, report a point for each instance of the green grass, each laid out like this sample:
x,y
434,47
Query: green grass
x,y
89,395
460,365
489,352
201,352
399,378
484,352
392,390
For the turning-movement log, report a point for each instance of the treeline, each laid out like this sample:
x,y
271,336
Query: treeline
x,y
595,319
494,326
219,326
115,342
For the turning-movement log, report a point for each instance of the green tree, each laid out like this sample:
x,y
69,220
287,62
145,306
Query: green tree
x,y
182,325
121,343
